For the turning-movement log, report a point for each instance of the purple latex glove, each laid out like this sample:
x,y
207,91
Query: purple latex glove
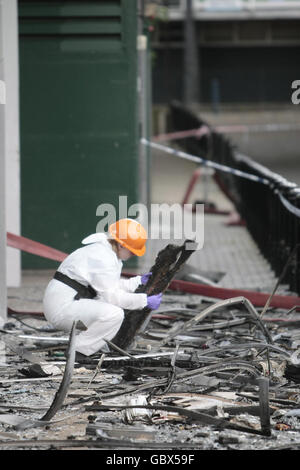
x,y
153,301
145,278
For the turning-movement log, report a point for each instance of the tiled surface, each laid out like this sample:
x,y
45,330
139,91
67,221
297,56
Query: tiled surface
x,y
227,249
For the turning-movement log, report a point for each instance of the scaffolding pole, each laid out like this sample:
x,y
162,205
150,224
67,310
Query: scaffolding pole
x,y
3,296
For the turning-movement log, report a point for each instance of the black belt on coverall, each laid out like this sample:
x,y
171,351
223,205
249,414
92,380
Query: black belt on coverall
x,y
83,292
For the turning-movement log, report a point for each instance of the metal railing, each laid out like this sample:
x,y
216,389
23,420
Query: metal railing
x,y
202,8
233,4
271,211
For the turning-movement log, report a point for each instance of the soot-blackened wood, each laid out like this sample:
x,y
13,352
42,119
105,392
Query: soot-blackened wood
x,y
167,263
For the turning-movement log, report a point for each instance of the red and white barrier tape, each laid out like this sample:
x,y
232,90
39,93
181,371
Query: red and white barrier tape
x,y
35,248
233,129
203,130
258,299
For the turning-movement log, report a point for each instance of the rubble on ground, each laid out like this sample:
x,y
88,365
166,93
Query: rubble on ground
x,y
204,374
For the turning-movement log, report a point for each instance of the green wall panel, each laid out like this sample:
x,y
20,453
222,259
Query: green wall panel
x,y
78,108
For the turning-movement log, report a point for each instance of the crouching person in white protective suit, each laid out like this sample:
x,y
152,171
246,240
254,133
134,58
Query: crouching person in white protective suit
x,y
87,287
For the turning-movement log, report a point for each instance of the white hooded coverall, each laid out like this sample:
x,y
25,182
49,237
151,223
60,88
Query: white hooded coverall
x,y
97,265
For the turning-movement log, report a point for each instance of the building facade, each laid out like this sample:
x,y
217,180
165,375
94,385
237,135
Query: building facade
x,y
79,117
246,51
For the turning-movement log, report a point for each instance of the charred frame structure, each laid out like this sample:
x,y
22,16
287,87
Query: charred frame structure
x,y
167,264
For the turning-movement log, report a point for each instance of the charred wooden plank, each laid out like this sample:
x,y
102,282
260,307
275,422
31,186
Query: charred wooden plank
x,y
264,406
64,386
167,264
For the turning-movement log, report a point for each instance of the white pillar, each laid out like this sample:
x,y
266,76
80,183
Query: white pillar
x,y
2,179
12,146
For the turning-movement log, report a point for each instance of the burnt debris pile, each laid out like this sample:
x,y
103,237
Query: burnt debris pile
x,y
198,374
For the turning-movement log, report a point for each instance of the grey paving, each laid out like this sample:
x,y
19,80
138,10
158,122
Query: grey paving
x,y
227,249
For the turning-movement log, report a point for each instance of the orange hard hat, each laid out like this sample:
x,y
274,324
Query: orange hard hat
x,y
130,234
